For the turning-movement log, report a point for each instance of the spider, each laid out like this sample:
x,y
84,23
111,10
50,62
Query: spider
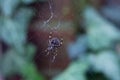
x,y
53,44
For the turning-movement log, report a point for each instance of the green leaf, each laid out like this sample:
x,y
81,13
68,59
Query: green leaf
x,y
76,71
29,72
9,6
101,33
106,62
12,33
23,17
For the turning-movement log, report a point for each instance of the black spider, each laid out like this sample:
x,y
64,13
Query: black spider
x,y
53,44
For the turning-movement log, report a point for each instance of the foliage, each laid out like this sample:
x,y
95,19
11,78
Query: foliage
x,y
101,33
95,50
14,20
106,62
76,71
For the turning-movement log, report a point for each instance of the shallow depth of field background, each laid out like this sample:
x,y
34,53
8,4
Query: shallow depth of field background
x,y
91,39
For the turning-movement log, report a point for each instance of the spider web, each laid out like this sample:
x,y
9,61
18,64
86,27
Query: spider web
x,y
46,23
53,28
51,14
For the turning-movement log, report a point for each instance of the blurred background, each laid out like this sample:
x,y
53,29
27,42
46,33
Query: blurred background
x,y
91,39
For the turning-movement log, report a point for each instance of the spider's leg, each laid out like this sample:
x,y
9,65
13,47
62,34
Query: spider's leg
x,y
50,35
42,53
61,39
49,46
53,58
61,42
54,55
56,50
47,52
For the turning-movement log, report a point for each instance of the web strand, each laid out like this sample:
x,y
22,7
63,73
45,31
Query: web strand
x,y
51,14
53,29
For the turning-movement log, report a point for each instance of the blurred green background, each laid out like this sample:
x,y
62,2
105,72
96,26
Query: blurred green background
x,y
91,33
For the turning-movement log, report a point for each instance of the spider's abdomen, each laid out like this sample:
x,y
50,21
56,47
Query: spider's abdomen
x,y
55,42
